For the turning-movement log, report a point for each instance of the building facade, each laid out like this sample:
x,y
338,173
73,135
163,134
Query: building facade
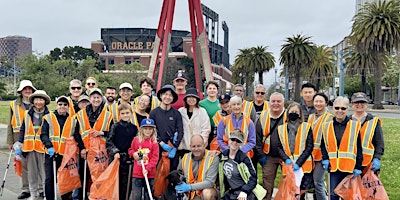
x,y
15,46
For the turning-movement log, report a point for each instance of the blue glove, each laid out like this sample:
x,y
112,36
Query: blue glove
x,y
356,173
263,161
175,137
296,167
183,187
51,151
18,152
172,153
376,164
166,147
325,164
288,161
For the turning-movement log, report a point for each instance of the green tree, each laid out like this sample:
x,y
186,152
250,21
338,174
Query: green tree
x,y
297,54
376,31
261,60
322,67
359,63
243,68
391,77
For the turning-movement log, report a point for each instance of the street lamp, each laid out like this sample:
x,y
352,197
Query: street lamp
x,y
276,70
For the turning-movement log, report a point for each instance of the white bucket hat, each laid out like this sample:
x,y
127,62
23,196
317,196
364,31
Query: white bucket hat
x,y
23,84
39,93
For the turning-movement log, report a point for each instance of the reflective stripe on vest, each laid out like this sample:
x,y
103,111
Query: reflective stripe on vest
x,y
367,133
247,107
71,107
266,107
265,120
56,139
201,172
32,140
217,117
344,157
115,113
244,127
17,117
317,132
300,144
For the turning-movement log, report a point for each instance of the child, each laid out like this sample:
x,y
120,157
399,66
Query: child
x,y
118,141
144,150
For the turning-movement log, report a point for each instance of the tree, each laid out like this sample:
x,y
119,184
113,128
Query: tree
x,y
243,68
359,63
261,60
322,67
391,77
297,54
376,31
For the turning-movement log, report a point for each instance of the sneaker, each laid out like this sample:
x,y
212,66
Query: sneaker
x,y
24,195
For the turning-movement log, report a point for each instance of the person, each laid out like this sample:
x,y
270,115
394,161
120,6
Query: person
x,y
16,117
270,120
180,81
125,92
91,83
371,131
147,86
259,102
341,146
295,145
308,91
248,108
56,128
32,147
169,125
322,116
83,102
142,107
201,169
211,105
111,95
237,120
225,108
232,166
75,89
144,149
119,141
194,119
93,121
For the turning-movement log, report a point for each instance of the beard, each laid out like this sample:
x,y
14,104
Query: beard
x,y
110,99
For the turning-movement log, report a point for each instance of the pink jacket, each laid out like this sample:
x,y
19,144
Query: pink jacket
x,y
149,149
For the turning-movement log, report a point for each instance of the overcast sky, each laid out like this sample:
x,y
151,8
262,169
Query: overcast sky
x,y
59,23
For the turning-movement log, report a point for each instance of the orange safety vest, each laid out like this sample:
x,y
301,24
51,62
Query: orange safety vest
x,y
102,124
300,145
154,102
201,172
218,117
17,117
244,128
316,125
32,140
367,133
344,157
265,120
71,107
247,107
56,139
115,114
265,107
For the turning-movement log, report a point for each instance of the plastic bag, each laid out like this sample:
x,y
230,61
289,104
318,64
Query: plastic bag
x,y
373,186
67,173
107,184
351,188
18,167
287,189
160,182
97,157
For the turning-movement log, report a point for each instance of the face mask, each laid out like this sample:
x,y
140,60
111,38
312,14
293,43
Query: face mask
x,y
293,116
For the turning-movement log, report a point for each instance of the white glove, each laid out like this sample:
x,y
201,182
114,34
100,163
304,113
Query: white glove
x,y
17,146
242,196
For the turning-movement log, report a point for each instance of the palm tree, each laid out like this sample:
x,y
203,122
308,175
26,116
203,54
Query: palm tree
x,y
243,67
322,67
297,54
261,60
376,31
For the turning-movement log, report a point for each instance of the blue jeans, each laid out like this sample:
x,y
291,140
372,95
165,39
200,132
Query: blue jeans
x,y
335,179
139,184
319,181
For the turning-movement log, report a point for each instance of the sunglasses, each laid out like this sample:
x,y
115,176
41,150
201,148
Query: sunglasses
x,y
62,104
262,93
341,108
236,140
91,84
76,88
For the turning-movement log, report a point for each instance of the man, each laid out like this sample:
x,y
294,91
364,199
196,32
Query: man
x,y
180,81
125,93
75,89
17,114
248,108
259,102
91,83
169,124
308,91
111,95
225,108
201,168
270,120
147,85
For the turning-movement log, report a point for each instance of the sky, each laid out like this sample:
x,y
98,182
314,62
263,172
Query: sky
x,y
59,23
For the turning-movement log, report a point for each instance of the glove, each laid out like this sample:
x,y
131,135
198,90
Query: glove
x,y
166,147
172,153
183,187
356,172
18,157
263,160
325,164
288,161
296,167
51,151
242,195
18,152
17,146
376,164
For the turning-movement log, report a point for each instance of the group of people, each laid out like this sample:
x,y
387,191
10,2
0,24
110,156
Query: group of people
x,y
217,142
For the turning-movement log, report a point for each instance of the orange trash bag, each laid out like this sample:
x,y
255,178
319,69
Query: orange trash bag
x,y
107,184
18,167
214,144
97,157
351,188
67,173
373,186
160,182
287,189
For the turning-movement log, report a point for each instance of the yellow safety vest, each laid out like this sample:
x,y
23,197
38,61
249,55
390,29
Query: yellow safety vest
x,y
247,107
367,133
32,140
17,117
115,114
265,120
57,139
71,107
244,127
317,132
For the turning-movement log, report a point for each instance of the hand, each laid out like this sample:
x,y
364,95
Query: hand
x,y
98,133
288,161
10,146
145,172
50,151
18,152
263,161
172,153
17,146
83,153
123,156
18,157
356,173
183,187
376,164
325,164
136,156
242,196
166,147
214,153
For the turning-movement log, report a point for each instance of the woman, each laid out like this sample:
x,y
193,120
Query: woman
x,y
341,146
320,102
194,119
142,107
296,144
211,104
234,162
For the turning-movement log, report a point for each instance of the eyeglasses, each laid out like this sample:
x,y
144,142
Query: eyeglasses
x,y
62,104
91,84
360,102
341,108
236,140
76,88
262,93
239,90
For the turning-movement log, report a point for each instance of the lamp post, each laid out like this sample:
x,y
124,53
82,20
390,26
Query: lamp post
x,y
276,70
286,84
341,78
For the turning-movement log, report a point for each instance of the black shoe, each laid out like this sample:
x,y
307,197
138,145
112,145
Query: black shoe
x,y
24,195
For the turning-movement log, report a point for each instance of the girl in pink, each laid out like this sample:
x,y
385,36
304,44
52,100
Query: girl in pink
x,y
144,148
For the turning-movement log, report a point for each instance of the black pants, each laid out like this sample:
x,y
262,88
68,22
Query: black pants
x,y
81,176
49,180
124,177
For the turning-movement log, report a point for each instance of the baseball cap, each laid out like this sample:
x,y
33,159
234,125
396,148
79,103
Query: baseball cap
x,y
126,85
224,98
237,134
359,97
95,90
180,75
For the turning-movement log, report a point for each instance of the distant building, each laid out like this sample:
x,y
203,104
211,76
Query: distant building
x,y
15,46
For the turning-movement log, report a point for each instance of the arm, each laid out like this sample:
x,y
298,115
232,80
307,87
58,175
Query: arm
x,y
253,114
251,184
308,150
211,176
205,124
179,129
251,141
110,141
44,136
281,151
21,132
258,150
153,157
78,137
323,149
10,133
220,136
359,157
378,141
